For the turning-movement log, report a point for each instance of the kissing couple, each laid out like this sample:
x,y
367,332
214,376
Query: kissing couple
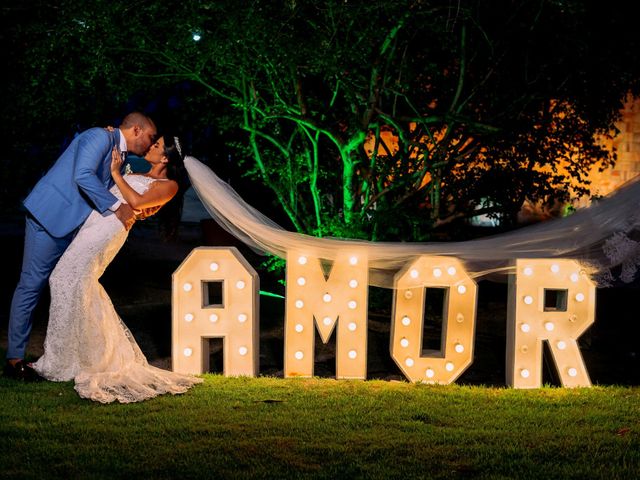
x,y
78,217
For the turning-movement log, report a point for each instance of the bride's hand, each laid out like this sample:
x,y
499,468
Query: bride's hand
x,y
109,128
116,161
147,212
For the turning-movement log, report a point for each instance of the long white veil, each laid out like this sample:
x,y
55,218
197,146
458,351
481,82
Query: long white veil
x,y
601,236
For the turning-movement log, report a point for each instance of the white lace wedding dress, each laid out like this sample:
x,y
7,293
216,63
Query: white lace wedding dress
x,y
86,339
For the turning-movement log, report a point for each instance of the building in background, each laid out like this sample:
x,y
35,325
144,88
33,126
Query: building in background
x,y
627,144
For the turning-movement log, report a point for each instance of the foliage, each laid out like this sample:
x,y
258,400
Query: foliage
x,y
320,428
382,119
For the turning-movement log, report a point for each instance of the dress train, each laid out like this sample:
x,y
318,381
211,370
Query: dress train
x,y
86,340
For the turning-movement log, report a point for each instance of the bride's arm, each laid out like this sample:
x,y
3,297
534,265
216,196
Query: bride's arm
x,y
159,193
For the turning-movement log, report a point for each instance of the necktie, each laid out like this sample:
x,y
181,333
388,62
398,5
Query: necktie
x,y
125,167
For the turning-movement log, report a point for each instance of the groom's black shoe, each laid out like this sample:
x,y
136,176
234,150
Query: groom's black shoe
x,y
21,370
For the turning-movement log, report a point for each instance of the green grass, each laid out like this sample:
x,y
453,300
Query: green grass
x,y
322,428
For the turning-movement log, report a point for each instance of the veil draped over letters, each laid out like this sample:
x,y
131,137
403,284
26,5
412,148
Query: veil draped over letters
x,y
602,237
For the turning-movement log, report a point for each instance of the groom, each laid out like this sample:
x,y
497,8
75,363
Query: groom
x,y
58,205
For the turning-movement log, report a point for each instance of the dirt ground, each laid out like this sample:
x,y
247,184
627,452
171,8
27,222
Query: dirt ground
x,y
139,283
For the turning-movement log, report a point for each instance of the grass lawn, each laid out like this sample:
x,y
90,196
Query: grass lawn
x,y
322,428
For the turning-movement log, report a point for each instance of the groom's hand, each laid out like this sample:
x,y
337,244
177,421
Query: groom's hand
x,y
126,215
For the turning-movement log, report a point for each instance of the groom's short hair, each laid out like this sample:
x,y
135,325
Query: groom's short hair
x,y
136,118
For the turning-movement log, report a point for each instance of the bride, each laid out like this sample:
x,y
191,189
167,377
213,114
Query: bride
x,y
86,340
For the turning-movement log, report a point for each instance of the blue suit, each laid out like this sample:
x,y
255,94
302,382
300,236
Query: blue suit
x,y
58,205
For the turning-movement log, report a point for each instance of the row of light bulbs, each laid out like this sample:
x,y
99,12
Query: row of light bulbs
x,y
528,299
188,351
437,272
214,317
571,371
351,326
352,354
303,260
554,268
548,326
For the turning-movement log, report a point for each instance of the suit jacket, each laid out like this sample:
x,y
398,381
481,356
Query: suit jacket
x,y
78,182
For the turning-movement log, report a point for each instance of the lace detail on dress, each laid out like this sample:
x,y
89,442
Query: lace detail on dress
x,y
86,339
623,251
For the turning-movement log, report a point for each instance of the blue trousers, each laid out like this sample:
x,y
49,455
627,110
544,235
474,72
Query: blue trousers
x,y
41,253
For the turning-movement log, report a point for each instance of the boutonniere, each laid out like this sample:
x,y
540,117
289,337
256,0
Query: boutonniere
x,y
127,169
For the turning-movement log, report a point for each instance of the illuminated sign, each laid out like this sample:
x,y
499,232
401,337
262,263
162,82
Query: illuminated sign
x,y
458,322
215,295
339,298
552,301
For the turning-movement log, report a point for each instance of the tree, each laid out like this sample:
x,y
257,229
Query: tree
x,y
380,120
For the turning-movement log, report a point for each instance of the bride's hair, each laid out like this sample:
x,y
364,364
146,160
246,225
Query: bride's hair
x,y
173,152
170,214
